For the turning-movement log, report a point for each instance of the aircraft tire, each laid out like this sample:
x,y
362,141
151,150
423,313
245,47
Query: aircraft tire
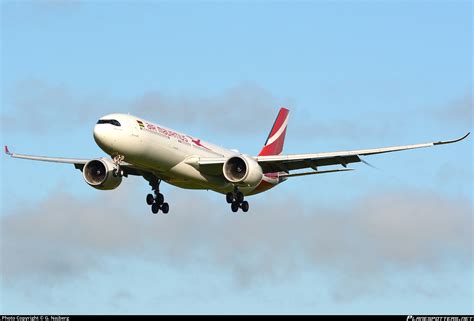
x,y
165,207
155,208
229,197
160,199
234,206
150,199
239,197
245,206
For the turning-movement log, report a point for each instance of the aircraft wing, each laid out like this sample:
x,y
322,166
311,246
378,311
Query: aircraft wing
x,y
78,163
286,163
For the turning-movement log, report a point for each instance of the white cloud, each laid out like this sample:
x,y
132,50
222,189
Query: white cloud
x,y
40,106
64,237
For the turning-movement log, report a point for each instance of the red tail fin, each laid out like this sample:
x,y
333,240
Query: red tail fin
x,y
276,138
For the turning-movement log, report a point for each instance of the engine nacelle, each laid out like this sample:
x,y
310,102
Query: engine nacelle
x,y
243,171
99,174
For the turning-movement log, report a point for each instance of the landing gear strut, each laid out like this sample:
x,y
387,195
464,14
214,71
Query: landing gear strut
x,y
117,160
236,199
157,201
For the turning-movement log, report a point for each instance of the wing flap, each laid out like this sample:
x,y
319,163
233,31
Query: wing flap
x,y
315,172
295,162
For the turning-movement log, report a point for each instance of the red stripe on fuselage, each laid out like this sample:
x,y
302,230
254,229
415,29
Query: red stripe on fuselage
x,y
265,185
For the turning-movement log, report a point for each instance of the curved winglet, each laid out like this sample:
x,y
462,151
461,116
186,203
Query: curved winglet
x,y
451,141
7,151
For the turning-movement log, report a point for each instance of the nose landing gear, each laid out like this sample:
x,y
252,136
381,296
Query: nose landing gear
x,y
236,199
117,170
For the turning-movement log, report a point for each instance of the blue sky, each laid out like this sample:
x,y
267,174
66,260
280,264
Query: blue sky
x,y
355,74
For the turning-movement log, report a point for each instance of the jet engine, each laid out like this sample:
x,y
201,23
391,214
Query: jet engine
x,y
99,173
243,171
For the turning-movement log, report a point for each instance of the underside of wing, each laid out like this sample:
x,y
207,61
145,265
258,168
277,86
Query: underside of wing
x,y
285,175
272,164
207,165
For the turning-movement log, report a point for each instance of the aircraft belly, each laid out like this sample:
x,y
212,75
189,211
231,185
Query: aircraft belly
x,y
186,175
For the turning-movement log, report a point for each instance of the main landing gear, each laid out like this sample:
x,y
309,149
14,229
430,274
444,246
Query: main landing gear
x,y
236,199
157,201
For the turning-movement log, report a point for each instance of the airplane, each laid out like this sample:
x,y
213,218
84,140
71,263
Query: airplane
x,y
140,147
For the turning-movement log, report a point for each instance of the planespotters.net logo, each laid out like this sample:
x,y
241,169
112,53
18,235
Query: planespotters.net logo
x,y
439,318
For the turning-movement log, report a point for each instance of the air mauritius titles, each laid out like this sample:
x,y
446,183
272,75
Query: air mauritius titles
x,y
169,133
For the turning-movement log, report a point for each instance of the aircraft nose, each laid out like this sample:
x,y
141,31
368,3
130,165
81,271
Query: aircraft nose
x,y
100,135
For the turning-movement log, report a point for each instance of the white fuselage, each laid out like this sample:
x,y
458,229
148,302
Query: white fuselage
x,y
171,155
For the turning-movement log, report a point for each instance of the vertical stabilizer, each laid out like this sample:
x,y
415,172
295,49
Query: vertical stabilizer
x,y
276,138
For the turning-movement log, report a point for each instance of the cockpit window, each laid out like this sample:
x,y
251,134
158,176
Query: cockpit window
x,y
109,121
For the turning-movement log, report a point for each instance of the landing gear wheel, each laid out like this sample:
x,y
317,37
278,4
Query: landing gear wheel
x,y
156,200
160,198
239,196
117,173
155,208
150,199
229,197
245,206
234,206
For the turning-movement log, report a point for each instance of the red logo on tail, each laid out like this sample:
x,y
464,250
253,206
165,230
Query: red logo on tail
x,y
276,138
